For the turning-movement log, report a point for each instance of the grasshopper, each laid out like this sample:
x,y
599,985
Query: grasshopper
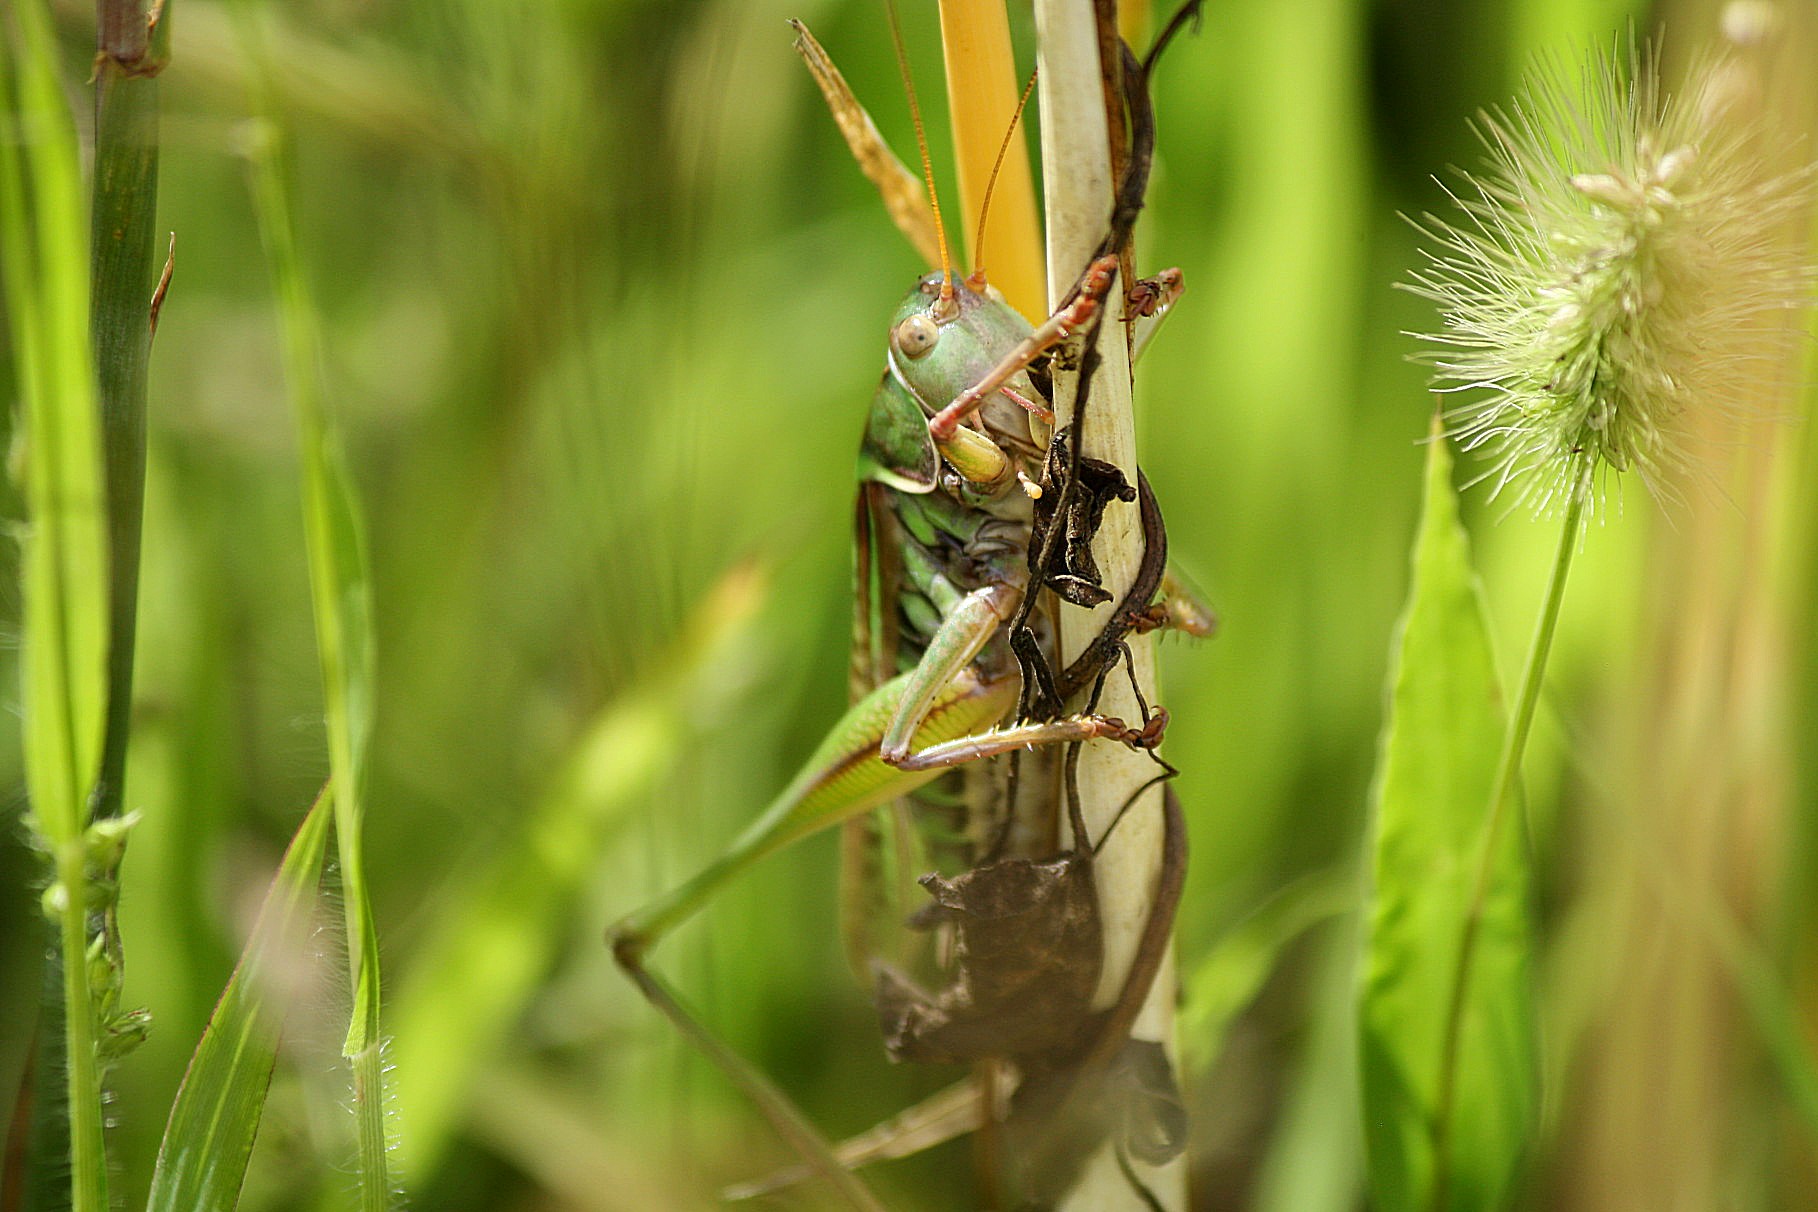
x,y
959,476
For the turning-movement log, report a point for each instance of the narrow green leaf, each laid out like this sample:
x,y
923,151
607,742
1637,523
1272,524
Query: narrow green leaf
x,y
1311,1162
335,540
1233,972
1433,786
125,193
65,567
64,652
202,1159
481,964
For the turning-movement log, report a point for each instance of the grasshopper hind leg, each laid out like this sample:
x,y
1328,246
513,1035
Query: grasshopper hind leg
x,y
900,736
777,1107
843,779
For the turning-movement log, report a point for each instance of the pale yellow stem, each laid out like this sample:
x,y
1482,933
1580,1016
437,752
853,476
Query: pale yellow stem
x,y
1078,187
982,91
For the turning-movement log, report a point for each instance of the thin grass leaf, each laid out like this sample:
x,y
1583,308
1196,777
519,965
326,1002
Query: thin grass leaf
x,y
335,538
1229,976
65,574
124,205
215,1119
1313,1163
474,975
125,193
480,967
1434,778
66,579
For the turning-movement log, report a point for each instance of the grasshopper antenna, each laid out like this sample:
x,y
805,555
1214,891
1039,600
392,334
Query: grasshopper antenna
x,y
944,308
977,278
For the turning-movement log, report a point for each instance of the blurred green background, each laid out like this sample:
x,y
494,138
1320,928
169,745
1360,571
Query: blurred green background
x,y
603,301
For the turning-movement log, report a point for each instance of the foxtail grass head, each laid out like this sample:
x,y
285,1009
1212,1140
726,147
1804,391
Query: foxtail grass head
x,y
1618,269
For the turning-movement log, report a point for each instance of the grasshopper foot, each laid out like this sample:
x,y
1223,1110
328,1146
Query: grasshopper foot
x,y
1146,738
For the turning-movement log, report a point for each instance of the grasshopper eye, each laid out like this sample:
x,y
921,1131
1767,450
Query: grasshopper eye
x,y
915,336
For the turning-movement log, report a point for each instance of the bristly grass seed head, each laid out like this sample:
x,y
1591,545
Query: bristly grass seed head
x,y
1612,266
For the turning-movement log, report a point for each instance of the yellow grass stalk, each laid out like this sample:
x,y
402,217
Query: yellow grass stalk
x,y
982,92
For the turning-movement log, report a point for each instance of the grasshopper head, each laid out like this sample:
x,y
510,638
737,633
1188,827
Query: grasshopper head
x,y
940,348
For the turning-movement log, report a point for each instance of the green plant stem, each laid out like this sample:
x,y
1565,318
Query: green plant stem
x,y
1508,777
123,207
125,199
87,1141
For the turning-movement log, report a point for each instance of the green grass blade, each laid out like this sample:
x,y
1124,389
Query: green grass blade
x,y
1229,976
1312,1162
334,537
121,224
479,968
335,540
65,569
65,574
202,1158
1434,779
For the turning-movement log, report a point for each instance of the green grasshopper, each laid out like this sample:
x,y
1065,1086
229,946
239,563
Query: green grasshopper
x,y
955,456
